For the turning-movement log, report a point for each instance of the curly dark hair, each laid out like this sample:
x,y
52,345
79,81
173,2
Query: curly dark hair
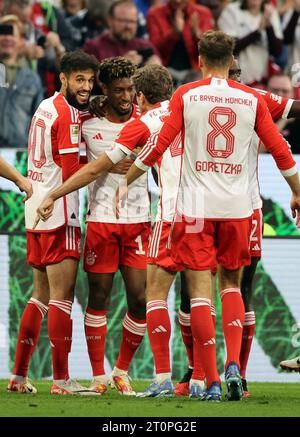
x,y
78,61
115,68
155,82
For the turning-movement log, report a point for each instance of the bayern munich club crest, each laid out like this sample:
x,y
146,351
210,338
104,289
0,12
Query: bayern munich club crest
x,y
90,258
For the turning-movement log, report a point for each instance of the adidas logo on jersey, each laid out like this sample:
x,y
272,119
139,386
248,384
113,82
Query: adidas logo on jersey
x,y
256,247
98,136
159,329
237,323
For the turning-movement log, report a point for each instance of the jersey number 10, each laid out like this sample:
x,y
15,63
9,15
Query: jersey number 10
x,y
36,142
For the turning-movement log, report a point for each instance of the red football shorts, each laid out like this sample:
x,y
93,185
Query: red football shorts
x,y
202,244
46,248
110,245
158,252
256,233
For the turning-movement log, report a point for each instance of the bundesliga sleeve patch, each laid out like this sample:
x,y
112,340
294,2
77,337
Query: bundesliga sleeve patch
x,y
74,133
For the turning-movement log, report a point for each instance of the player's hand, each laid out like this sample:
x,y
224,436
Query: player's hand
x,y
98,106
45,209
121,198
25,185
137,150
122,167
295,207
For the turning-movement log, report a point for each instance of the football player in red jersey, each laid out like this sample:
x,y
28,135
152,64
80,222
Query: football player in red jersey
x,y
231,114
114,244
53,247
279,107
153,85
232,294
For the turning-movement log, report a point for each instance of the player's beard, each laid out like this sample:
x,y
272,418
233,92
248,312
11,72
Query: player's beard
x,y
71,98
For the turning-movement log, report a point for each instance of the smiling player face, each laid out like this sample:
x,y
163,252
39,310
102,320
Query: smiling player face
x,y
120,94
77,87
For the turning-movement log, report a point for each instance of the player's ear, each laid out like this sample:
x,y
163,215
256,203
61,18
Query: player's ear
x,y
143,98
63,79
200,62
232,61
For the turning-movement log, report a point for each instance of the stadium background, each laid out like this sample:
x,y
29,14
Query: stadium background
x,y
276,292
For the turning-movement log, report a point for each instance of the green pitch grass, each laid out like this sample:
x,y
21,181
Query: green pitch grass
x,y
267,400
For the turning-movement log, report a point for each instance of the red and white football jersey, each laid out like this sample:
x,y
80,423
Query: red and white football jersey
x,y
136,134
168,169
54,132
217,118
279,107
99,135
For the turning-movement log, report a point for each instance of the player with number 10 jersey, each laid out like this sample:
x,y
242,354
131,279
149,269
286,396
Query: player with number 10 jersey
x,y
53,247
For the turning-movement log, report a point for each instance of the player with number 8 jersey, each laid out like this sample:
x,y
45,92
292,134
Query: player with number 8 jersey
x,y
217,118
279,107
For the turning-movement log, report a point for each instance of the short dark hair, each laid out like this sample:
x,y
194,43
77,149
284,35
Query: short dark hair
x,y
114,5
115,68
155,82
216,48
78,61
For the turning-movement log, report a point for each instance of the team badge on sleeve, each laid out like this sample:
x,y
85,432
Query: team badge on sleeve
x,y
74,133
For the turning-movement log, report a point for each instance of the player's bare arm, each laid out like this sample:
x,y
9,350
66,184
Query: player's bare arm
x,y
81,178
8,172
134,173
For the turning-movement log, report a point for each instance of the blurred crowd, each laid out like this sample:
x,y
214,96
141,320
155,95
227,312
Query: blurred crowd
x,y
35,34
